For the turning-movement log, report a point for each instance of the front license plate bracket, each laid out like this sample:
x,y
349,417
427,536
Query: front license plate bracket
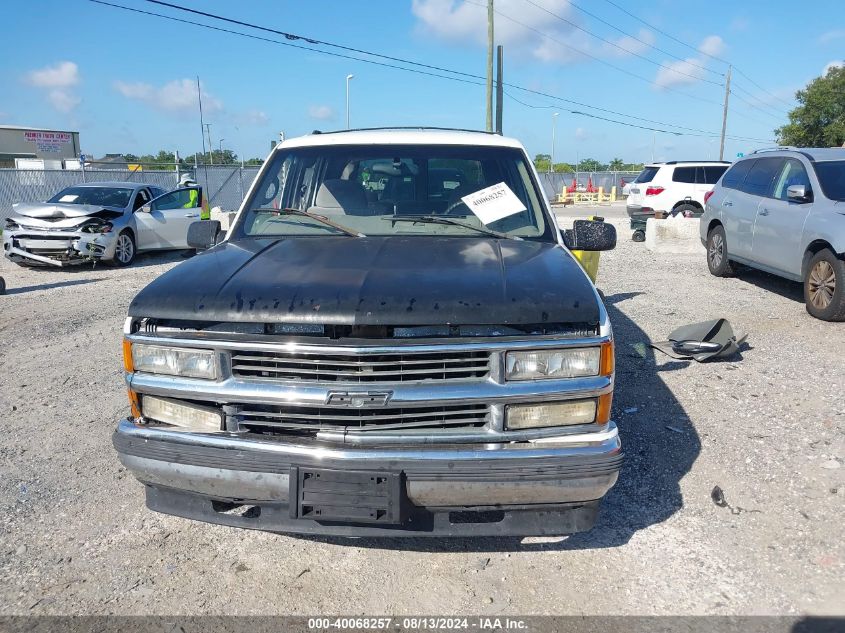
x,y
348,496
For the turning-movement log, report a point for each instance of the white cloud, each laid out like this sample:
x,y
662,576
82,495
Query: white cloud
x,y
179,95
712,45
57,80
692,69
830,36
632,45
321,112
833,64
255,117
63,100
62,75
464,22
739,23
581,134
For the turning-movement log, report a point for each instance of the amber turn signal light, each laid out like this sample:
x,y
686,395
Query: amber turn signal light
x,y
127,356
607,359
603,408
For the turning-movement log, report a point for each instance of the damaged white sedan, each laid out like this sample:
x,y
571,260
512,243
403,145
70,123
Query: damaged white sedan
x,y
101,221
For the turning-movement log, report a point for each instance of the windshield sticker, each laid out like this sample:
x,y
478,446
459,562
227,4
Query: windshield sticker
x,y
68,198
493,203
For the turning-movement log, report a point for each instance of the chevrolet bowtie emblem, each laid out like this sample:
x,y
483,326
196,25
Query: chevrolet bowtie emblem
x,y
358,399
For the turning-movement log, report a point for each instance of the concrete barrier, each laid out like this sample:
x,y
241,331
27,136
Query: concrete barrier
x,y
224,217
677,235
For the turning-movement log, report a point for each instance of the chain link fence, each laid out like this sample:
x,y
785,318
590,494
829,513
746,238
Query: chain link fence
x,y
555,183
224,185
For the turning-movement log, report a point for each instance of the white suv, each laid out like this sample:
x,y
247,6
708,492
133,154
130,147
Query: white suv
x,y
673,187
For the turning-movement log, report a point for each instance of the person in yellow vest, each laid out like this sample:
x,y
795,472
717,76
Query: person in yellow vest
x,y
194,197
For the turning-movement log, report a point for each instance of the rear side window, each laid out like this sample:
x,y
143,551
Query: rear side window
x,y
831,175
710,174
647,174
684,174
736,174
759,180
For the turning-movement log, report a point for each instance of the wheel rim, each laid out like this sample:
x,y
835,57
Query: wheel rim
x,y
822,284
124,249
717,250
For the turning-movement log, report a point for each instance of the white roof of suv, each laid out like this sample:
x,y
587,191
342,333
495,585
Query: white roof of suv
x,y
402,136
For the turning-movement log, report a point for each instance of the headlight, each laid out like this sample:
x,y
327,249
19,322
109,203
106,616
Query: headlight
x,y
532,416
553,363
174,361
186,417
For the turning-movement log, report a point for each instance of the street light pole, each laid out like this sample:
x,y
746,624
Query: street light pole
x,y
348,77
221,149
555,115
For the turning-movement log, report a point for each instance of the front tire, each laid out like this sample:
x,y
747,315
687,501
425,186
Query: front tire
x,y
638,236
824,287
124,250
717,253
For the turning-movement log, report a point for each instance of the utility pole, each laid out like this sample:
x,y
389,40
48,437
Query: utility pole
x,y
210,155
555,115
725,113
348,77
202,125
499,88
489,65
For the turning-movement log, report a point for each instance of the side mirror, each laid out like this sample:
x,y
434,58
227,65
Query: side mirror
x,y
798,193
146,208
203,234
589,235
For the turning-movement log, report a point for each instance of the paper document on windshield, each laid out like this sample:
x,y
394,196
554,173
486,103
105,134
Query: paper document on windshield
x,y
68,198
493,203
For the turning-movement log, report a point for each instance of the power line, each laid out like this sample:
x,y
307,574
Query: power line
x,y
704,133
475,79
664,33
641,41
686,44
614,44
598,59
310,40
288,44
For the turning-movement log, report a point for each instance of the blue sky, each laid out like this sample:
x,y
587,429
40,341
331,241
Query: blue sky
x,y
126,81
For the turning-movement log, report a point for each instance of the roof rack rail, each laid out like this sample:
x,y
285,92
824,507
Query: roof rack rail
x,y
779,148
682,162
406,127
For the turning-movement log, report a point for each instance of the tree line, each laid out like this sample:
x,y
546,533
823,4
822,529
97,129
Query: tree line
x,y
167,160
543,161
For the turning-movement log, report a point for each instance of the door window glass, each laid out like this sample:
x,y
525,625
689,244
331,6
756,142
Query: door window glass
x,y
684,174
141,199
736,174
761,176
793,173
180,199
710,174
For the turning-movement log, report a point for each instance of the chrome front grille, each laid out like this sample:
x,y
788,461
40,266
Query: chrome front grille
x,y
272,418
360,368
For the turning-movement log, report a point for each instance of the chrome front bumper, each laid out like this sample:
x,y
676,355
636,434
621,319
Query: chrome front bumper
x,y
546,486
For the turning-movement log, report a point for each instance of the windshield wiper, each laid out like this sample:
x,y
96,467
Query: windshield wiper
x,y
435,219
304,214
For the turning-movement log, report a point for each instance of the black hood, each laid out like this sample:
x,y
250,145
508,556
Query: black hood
x,y
394,280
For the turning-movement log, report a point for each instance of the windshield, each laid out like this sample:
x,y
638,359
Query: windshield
x,y
455,191
99,196
831,174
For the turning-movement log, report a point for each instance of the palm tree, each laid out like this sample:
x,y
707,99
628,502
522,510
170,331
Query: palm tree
x,y
616,164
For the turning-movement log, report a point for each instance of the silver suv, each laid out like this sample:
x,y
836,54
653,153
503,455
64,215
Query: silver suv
x,y
783,211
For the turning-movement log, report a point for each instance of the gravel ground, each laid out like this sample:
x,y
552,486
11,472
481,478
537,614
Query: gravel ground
x,y
75,537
